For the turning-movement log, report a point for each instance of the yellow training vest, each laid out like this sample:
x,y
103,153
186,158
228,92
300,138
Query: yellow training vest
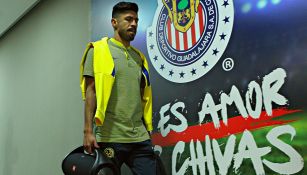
x,y
104,74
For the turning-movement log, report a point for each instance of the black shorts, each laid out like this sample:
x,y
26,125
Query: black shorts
x,y
138,156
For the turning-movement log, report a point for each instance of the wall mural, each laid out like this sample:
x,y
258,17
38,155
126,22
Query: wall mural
x,y
229,82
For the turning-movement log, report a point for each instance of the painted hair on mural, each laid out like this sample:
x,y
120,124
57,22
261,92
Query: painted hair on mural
x,y
124,6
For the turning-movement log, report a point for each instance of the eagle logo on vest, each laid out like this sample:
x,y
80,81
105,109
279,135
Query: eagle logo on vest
x,y
188,37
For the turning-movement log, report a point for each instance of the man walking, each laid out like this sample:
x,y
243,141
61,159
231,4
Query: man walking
x,y
117,92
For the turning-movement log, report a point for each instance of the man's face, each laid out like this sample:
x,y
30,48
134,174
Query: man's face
x,y
126,25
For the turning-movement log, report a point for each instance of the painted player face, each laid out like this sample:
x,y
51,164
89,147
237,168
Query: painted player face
x,y
126,24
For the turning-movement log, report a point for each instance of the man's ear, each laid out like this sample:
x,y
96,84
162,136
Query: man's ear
x,y
114,23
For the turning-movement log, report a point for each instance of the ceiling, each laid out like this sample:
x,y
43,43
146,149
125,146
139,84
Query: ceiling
x,y
13,10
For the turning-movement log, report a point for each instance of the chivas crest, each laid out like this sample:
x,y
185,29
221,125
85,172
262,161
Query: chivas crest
x,y
181,12
188,37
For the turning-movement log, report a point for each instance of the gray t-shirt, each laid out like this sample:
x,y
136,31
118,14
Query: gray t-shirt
x,y
123,122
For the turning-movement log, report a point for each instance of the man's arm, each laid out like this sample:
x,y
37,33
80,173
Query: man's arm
x,y
142,86
89,140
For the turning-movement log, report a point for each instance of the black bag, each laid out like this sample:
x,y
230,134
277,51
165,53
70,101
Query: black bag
x,y
79,163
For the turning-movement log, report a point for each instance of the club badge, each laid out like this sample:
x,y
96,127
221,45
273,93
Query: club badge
x,y
109,152
188,37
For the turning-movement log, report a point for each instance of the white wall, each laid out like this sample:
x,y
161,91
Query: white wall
x,y
13,10
41,112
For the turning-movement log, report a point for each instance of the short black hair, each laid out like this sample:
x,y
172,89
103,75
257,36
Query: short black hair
x,y
124,6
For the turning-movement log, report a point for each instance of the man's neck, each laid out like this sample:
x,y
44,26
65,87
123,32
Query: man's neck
x,y
118,38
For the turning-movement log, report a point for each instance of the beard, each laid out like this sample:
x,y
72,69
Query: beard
x,y
127,35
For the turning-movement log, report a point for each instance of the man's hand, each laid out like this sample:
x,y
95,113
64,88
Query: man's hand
x,y
89,142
